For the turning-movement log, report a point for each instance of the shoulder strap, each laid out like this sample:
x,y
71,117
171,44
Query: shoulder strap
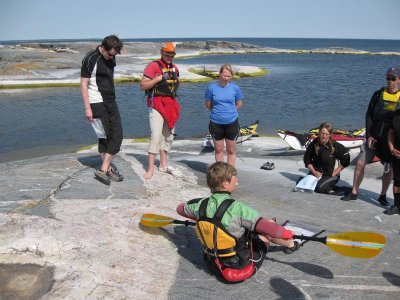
x,y
195,200
222,209
203,207
159,64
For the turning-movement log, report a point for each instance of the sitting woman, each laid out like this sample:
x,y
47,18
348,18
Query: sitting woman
x,y
320,158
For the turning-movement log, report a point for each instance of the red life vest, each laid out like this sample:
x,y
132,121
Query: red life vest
x,y
162,97
170,83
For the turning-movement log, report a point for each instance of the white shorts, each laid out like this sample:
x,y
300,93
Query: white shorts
x,y
161,135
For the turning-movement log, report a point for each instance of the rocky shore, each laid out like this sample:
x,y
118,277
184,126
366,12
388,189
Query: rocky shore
x,y
64,235
58,64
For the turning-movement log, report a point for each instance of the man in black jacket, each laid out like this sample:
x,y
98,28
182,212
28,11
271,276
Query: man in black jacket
x,y
381,109
98,94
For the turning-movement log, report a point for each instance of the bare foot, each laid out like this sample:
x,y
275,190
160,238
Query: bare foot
x,y
149,174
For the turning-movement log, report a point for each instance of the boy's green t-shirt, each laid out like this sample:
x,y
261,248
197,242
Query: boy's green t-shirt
x,y
236,219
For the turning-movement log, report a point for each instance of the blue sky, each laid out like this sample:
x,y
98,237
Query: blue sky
x,y
61,19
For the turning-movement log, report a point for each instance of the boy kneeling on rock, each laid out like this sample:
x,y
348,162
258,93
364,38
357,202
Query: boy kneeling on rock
x,y
234,236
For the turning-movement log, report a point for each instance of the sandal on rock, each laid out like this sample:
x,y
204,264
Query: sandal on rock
x,y
268,166
171,170
296,247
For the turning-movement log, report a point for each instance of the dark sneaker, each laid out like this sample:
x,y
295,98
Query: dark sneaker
x,y
268,166
382,200
342,190
296,247
349,197
102,177
114,175
392,210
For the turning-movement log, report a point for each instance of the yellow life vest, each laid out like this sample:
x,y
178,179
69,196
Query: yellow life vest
x,y
216,240
390,101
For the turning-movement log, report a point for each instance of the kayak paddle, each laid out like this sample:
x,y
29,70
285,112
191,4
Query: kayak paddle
x,y
358,244
153,220
354,244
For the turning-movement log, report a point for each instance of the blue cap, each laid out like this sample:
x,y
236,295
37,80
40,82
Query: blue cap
x,y
395,71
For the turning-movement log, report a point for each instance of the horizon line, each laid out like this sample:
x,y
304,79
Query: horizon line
x,y
194,38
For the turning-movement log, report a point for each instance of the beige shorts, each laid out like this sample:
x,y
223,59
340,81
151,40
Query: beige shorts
x,y
161,135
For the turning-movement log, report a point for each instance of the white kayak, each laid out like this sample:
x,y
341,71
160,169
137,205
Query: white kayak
x,y
300,141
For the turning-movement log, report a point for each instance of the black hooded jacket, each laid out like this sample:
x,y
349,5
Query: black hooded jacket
x,y
324,160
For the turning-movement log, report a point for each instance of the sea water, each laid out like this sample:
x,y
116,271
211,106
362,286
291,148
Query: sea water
x,y
299,92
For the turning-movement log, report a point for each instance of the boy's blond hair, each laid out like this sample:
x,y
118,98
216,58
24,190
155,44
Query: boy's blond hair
x,y
219,172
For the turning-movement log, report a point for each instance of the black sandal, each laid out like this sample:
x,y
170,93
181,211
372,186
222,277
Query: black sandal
x,y
296,247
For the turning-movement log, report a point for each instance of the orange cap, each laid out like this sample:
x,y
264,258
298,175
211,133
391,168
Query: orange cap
x,y
168,47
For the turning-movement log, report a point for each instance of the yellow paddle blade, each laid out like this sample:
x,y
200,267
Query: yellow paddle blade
x,y
153,220
356,244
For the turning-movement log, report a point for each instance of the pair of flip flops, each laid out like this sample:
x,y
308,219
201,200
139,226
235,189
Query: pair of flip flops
x,y
268,166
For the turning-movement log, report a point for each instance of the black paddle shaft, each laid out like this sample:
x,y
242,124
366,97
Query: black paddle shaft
x,y
311,238
300,237
186,223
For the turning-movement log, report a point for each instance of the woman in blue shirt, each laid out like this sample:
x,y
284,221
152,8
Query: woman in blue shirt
x,y
223,99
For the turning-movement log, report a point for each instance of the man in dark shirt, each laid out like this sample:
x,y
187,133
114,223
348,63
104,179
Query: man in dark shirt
x,y
394,142
381,110
98,93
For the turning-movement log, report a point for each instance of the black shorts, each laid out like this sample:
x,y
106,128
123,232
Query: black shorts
x,y
224,131
109,115
326,183
396,172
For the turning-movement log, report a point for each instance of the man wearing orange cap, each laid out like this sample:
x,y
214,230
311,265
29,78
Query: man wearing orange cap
x,y
160,81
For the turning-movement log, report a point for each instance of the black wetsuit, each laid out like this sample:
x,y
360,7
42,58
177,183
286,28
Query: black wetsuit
x,y
396,162
324,161
378,122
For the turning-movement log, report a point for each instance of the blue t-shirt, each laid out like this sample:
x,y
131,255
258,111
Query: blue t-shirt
x,y
223,100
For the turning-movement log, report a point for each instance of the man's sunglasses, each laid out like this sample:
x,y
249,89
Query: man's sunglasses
x,y
169,55
391,78
110,55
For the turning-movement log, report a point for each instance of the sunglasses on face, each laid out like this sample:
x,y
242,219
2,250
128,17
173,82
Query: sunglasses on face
x,y
110,55
169,55
391,78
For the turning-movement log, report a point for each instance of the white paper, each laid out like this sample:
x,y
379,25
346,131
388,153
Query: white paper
x,y
300,229
99,129
308,183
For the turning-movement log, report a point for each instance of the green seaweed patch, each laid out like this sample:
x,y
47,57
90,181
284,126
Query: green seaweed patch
x,y
84,148
195,80
141,140
37,85
204,72
252,74
236,75
126,79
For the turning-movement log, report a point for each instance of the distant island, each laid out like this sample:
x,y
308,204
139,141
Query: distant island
x,y
28,65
